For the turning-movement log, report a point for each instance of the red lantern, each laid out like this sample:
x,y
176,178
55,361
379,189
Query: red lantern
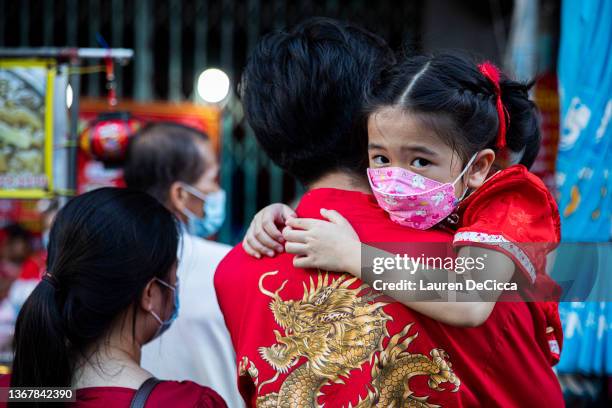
x,y
106,139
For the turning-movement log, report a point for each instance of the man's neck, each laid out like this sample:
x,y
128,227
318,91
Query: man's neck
x,y
343,181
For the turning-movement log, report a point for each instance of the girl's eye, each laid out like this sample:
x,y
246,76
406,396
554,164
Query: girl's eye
x,y
380,159
420,163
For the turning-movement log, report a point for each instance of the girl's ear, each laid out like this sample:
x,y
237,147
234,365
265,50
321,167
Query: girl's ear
x,y
148,295
479,170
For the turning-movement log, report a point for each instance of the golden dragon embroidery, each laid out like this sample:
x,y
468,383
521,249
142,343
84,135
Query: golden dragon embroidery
x,y
336,329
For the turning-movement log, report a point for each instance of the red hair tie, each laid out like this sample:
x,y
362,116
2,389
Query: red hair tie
x,y
491,72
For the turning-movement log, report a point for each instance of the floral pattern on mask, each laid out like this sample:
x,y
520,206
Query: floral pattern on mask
x,y
411,199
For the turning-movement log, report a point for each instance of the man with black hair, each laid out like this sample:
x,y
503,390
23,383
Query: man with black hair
x,y
296,332
313,338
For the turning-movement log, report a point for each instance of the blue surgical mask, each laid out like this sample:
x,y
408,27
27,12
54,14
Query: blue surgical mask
x,y
165,324
214,212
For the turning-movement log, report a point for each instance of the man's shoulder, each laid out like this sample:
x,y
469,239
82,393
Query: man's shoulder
x,y
235,255
376,226
371,222
237,271
237,265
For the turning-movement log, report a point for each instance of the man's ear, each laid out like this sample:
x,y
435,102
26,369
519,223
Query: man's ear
x,y
478,172
148,295
177,197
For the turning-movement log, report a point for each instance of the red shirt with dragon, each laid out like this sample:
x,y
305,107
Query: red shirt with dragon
x,y
304,338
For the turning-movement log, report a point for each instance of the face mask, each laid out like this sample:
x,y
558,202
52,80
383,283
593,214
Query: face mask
x,y
214,212
165,325
411,199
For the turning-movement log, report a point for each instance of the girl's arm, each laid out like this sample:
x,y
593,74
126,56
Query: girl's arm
x,y
330,245
264,235
334,246
467,310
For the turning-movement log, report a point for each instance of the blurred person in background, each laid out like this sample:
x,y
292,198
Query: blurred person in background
x,y
14,249
48,211
18,253
110,287
177,165
20,270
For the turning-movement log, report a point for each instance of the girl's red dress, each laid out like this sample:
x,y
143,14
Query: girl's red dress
x,y
514,213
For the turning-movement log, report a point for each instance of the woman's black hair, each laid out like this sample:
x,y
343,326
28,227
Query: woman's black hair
x,y
104,247
453,88
162,153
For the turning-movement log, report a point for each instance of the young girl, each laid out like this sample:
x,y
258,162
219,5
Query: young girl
x,y
436,130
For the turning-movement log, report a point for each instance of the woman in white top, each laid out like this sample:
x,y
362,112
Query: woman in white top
x,y
177,165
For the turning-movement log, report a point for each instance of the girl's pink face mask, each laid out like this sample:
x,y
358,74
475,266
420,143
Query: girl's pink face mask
x,y
411,199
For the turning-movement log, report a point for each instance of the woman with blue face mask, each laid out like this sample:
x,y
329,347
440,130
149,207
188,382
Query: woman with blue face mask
x,y
198,200
165,324
178,166
110,288
213,209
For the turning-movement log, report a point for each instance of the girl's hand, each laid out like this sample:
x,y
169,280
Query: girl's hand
x,y
332,246
264,236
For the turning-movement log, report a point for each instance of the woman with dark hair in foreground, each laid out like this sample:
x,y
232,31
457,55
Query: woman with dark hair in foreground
x,y
110,287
